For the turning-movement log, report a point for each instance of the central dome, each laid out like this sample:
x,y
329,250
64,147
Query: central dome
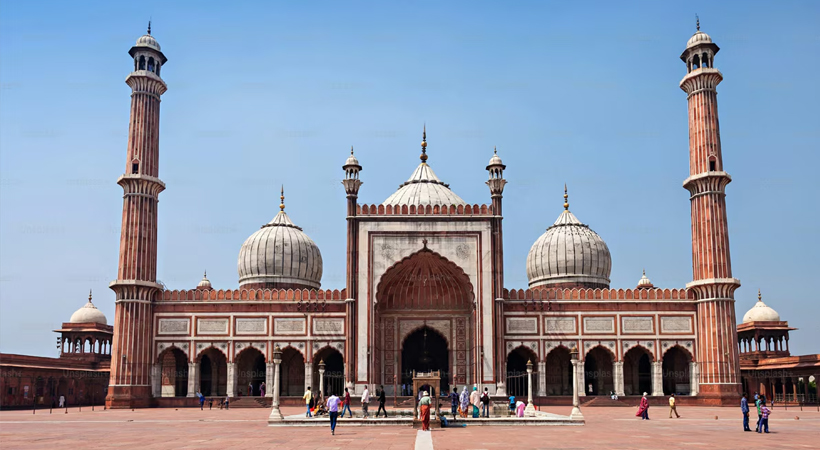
x,y
569,254
280,256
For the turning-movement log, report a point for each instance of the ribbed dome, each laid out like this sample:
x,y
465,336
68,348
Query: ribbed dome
x,y
205,283
280,255
495,160
148,41
760,312
569,252
424,188
698,38
644,282
88,314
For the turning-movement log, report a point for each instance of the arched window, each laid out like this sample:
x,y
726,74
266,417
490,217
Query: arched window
x,y
158,66
142,63
135,167
712,164
705,59
696,62
136,63
151,64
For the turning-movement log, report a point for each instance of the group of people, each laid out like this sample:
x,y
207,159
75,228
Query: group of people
x,y
763,412
643,407
262,388
470,403
223,403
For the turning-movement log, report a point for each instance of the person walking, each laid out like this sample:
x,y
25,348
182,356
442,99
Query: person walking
x,y
201,400
454,402
475,400
672,407
210,403
764,418
424,409
347,404
250,388
485,403
262,388
62,401
382,400
333,411
744,408
308,398
365,401
465,402
643,408
227,403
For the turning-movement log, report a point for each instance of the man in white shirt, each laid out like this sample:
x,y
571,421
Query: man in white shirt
x,y
365,401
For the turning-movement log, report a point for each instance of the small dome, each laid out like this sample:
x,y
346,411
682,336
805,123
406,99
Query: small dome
x,y
205,283
88,314
351,160
644,282
698,38
148,41
280,255
760,312
495,160
569,252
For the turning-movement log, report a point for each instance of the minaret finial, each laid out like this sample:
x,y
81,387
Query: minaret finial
x,y
149,26
89,295
205,275
644,272
759,297
351,150
424,144
697,21
495,151
282,198
566,202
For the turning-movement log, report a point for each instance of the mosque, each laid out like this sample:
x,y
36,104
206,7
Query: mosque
x,y
425,291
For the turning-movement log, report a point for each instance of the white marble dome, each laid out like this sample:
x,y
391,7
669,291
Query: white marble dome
x,y
569,252
761,312
699,38
424,188
88,314
204,283
280,254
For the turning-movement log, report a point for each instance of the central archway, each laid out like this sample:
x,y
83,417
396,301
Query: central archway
x,y
425,350
424,292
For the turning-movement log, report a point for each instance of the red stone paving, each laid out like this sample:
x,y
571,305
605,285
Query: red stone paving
x,y
606,428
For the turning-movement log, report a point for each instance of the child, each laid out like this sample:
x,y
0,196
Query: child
x,y
211,403
764,421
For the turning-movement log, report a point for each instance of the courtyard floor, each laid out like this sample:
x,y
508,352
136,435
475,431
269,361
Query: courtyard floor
x,y
606,428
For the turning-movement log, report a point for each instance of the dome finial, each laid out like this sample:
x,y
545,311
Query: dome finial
x,y
424,144
495,151
149,26
282,198
205,275
759,297
697,21
644,272
351,150
566,202
89,295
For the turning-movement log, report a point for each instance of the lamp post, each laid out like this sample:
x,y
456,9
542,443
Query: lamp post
x,y
322,377
576,407
530,409
275,414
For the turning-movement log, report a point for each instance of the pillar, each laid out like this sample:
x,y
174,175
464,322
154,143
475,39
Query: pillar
x,y
542,378
579,379
193,377
618,377
156,380
309,376
657,379
576,403
693,378
530,409
269,379
275,414
231,380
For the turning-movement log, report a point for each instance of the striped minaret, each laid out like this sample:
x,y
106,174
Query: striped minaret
x,y
136,285
713,285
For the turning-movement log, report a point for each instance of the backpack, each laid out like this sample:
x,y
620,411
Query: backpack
x,y
485,398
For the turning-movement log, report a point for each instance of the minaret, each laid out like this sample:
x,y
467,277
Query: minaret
x,y
496,182
713,285
351,183
136,285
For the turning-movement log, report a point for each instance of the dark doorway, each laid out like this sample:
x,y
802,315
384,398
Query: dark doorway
x,y
213,373
637,371
334,372
598,372
425,350
676,372
559,372
292,374
251,372
517,378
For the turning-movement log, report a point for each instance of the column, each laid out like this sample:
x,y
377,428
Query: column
x,y
231,379
693,378
530,409
618,378
576,403
579,379
269,379
193,376
275,414
657,379
309,377
156,380
542,378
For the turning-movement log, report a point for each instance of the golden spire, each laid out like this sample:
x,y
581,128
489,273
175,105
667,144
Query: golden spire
x,y
282,198
566,202
424,144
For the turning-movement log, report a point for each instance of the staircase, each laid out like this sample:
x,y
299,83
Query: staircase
x,y
603,401
250,402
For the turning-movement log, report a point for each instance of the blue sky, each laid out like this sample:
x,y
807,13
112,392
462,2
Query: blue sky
x,y
264,94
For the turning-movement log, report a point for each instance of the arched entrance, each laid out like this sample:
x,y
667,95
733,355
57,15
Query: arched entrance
x,y
598,372
517,377
333,380
559,372
425,350
292,373
676,371
424,292
174,372
213,373
250,372
637,371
